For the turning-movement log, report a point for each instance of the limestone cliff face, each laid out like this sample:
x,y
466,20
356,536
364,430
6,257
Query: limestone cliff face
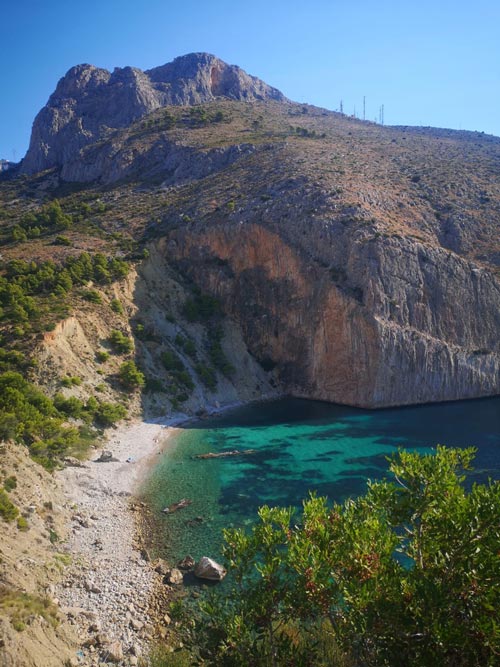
x,y
89,102
401,336
173,163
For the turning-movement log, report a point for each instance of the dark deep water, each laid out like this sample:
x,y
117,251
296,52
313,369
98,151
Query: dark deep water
x,y
300,446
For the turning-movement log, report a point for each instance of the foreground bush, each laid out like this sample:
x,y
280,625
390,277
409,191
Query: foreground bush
x,y
407,574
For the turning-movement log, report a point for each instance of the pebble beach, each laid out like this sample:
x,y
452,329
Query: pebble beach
x,y
110,584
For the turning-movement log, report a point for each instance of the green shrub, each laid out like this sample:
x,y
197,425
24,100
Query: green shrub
x,y
8,511
171,361
176,369
107,414
91,295
187,345
404,575
91,405
216,353
102,356
163,657
72,406
12,360
29,417
183,378
10,483
62,240
130,376
22,607
140,331
200,307
87,436
22,524
18,234
154,385
71,381
18,626
116,306
120,343
207,375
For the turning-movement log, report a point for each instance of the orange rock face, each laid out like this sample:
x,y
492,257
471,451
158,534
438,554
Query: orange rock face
x,y
353,346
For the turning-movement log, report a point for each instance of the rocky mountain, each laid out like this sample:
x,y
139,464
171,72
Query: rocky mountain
x,y
360,263
89,102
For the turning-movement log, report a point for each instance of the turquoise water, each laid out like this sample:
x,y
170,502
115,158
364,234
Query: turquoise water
x,y
300,446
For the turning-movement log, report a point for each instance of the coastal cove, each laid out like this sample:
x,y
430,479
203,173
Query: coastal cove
x,y
296,446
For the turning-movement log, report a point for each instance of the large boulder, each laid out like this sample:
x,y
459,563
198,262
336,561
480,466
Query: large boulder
x,y
206,568
106,457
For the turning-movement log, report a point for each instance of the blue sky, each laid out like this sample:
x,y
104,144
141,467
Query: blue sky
x,y
430,63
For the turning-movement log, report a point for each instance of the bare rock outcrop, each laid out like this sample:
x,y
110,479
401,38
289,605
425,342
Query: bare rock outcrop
x,y
165,159
388,329
90,102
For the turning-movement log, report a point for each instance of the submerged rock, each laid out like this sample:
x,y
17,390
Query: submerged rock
x,y
177,506
187,563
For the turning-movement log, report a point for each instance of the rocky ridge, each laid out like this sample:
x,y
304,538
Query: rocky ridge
x,y
90,102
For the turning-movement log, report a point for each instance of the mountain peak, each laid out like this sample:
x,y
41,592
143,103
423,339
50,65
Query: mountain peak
x,y
89,100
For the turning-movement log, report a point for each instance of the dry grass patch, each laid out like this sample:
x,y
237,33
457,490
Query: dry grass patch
x,y
23,608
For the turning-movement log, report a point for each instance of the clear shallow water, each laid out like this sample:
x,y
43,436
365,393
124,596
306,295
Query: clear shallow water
x,y
300,446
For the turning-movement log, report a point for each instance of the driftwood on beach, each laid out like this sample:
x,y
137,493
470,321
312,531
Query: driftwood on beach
x,y
223,455
177,506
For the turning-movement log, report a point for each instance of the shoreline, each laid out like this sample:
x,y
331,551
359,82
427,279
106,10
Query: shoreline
x,y
109,591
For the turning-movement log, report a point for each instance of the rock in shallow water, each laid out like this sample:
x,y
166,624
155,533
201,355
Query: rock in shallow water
x,y
175,576
162,567
206,568
187,563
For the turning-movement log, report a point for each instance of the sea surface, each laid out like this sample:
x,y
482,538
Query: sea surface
x,y
300,446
